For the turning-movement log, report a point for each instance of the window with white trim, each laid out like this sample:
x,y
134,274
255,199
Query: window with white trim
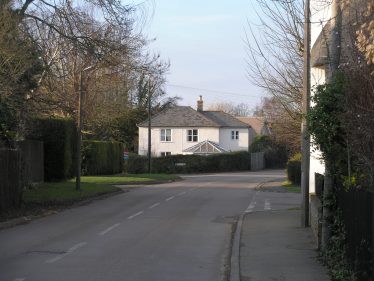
x,y
165,135
193,135
166,153
234,135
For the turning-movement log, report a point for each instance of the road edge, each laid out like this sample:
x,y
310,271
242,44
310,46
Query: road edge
x,y
235,251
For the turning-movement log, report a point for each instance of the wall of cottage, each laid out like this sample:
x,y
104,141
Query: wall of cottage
x,y
178,141
234,144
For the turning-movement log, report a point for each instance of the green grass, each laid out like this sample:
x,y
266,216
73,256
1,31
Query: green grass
x,y
291,187
64,193
61,193
125,179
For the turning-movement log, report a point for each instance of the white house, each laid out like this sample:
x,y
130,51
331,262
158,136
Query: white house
x,y
320,16
183,130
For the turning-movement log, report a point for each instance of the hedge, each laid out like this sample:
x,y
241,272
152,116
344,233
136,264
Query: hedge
x,y
102,157
294,169
276,154
236,161
59,138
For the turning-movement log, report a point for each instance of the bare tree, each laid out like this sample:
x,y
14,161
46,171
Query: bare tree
x,y
284,128
275,56
240,109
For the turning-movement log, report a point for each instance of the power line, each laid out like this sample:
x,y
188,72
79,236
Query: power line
x,y
212,91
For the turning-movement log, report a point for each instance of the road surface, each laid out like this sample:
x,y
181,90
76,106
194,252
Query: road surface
x,y
179,231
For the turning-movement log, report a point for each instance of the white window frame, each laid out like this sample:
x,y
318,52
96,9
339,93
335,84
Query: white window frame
x,y
191,137
165,153
234,134
164,136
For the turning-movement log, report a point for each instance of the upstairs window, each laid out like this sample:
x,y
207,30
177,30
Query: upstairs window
x,y
166,153
166,135
234,135
192,135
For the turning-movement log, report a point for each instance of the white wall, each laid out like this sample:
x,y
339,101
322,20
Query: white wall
x,y
320,11
178,139
316,163
234,145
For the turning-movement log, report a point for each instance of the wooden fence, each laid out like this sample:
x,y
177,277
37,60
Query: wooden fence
x,y
10,179
357,209
32,161
257,161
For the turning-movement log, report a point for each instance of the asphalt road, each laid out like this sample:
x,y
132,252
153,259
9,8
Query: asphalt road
x,y
179,231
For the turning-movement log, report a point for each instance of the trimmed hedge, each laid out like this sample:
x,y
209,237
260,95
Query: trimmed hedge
x,y
59,138
184,164
102,157
294,169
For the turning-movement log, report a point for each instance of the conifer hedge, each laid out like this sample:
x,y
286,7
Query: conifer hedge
x,y
102,157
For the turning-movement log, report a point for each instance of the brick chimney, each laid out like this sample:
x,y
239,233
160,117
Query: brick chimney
x,y
200,104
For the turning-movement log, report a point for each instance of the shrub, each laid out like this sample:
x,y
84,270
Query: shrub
x,y
59,138
102,157
236,161
275,154
294,169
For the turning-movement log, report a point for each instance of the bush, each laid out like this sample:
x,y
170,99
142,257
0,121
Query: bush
x,y
236,161
294,169
59,138
275,154
102,157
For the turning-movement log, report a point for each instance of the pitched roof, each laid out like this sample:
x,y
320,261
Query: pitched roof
x,y
224,119
180,116
257,123
185,116
206,147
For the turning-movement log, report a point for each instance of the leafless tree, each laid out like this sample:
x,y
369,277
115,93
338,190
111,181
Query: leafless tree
x,y
100,42
275,57
284,128
240,109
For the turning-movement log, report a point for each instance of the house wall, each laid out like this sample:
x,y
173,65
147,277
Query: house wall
x,y
251,136
179,142
234,145
316,163
320,11
178,139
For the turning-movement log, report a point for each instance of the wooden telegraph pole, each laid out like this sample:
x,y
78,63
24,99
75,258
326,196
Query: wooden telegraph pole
x,y
149,128
305,141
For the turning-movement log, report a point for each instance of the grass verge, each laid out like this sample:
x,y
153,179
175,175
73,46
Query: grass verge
x,y
51,196
64,193
126,179
291,187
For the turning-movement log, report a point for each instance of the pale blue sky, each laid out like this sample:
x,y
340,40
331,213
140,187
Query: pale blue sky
x,y
204,41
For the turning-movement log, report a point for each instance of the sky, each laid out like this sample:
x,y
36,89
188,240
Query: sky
x,y
204,42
